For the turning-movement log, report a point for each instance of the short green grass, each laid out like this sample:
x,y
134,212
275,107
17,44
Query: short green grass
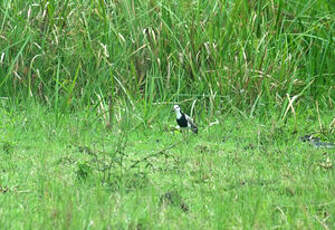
x,y
238,174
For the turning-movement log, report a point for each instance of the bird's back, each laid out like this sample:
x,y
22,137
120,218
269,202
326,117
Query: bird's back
x,y
182,122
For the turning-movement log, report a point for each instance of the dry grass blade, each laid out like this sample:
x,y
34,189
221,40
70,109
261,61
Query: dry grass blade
x,y
318,112
290,106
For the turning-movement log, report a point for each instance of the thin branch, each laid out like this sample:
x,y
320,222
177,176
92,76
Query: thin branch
x,y
160,152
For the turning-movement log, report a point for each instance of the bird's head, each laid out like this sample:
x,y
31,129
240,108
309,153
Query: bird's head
x,y
176,108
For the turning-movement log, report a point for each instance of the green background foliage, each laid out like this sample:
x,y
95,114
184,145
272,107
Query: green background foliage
x,y
238,52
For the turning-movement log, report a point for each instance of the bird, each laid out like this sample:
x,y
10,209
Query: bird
x,y
315,141
184,121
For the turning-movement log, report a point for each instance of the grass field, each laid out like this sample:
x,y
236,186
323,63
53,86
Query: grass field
x,y
238,174
87,137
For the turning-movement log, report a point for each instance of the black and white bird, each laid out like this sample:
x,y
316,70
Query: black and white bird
x,y
315,141
184,121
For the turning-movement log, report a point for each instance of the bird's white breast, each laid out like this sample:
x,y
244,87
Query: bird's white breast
x,y
178,114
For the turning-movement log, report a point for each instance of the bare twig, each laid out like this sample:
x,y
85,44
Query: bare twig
x,y
160,152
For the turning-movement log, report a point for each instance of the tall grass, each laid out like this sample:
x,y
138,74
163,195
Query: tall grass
x,y
248,54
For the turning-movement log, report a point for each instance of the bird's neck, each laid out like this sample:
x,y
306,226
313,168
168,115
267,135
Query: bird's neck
x,y
179,114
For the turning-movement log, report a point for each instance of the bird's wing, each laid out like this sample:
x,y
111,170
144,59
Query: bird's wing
x,y
192,124
189,120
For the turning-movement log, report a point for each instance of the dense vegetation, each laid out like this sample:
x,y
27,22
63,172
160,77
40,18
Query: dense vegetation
x,y
87,138
244,53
